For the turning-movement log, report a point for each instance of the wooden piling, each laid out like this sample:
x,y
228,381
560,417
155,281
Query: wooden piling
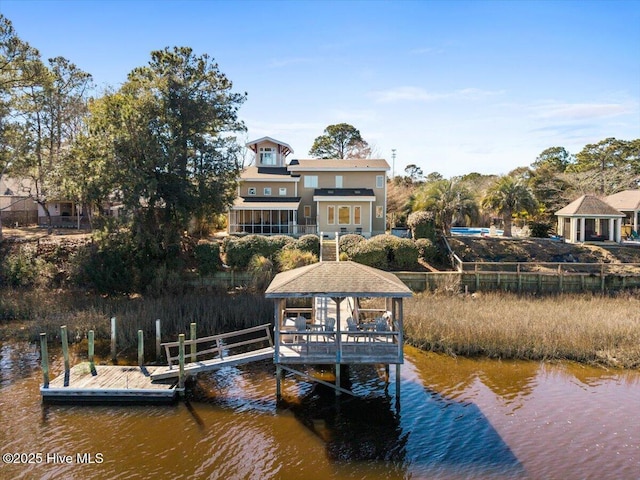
x,y
65,347
193,347
91,339
181,361
113,340
44,353
158,341
140,348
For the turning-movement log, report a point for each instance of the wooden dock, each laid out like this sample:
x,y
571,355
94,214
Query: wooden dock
x,y
108,383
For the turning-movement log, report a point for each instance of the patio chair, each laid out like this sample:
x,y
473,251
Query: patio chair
x,y
329,326
352,327
301,326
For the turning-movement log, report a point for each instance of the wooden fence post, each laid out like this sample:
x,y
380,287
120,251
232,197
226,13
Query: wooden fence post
x,y
91,339
193,346
44,353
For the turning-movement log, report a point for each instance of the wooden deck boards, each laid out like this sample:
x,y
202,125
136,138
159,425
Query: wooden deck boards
x,y
111,383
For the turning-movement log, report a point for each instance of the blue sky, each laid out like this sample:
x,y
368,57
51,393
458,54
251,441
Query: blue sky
x,y
454,86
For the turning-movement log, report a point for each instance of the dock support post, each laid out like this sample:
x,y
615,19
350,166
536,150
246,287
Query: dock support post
x,y
338,381
181,362
193,346
65,347
158,341
140,348
278,382
398,381
44,353
91,339
113,340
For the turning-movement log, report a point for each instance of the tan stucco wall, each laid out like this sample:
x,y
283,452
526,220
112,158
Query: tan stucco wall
x,y
275,188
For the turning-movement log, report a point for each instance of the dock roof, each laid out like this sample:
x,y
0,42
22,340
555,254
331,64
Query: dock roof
x,y
337,279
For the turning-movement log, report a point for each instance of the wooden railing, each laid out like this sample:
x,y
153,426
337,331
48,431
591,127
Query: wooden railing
x,y
218,345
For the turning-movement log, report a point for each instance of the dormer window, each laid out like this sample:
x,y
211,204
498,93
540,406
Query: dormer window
x,y
267,156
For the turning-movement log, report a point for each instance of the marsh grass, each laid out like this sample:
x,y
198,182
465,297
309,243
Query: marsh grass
x,y
25,314
589,329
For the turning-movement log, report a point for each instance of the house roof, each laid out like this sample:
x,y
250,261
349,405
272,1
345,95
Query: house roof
x,y
337,164
336,279
628,200
253,145
266,203
589,205
279,174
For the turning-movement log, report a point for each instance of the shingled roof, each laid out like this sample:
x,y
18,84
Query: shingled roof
x,y
589,205
337,279
625,201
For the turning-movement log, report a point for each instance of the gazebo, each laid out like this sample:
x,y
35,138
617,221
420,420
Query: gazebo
x,y
319,318
589,218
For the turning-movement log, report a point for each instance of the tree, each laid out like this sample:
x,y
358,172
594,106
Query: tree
x,y
556,159
447,200
509,196
52,109
414,173
340,141
174,154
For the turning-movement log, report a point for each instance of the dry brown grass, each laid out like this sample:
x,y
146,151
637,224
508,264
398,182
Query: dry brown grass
x,y
584,328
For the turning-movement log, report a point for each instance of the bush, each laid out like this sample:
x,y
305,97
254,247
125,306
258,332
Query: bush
x,y
207,257
239,251
349,242
405,254
540,229
291,258
370,253
427,250
308,243
262,272
422,225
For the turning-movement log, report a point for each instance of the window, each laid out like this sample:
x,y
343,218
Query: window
x,y
379,181
356,215
267,190
338,181
283,191
310,181
307,211
344,215
252,190
267,156
331,215
379,211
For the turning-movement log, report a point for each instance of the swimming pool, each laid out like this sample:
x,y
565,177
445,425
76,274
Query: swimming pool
x,y
476,231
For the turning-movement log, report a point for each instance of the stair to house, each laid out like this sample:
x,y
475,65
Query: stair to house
x,y
328,251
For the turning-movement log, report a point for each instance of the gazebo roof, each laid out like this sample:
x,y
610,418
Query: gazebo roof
x,y
336,279
588,206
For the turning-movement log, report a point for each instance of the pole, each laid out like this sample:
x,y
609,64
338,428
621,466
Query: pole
x,y
65,347
113,340
45,359
91,348
140,348
181,361
158,341
193,346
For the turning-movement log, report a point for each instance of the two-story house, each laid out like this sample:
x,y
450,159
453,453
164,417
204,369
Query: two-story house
x,y
309,196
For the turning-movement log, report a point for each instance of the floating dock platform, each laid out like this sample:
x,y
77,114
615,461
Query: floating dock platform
x,y
108,383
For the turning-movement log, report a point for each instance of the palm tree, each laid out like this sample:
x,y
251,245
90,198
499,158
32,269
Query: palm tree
x,y
509,196
448,200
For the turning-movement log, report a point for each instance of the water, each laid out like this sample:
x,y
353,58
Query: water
x,y
458,419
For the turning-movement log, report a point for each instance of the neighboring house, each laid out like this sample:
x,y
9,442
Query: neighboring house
x,y
589,219
16,205
627,202
309,196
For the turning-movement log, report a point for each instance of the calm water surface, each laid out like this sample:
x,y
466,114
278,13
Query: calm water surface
x,y
457,419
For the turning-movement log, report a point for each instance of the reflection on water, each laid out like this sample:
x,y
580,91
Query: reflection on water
x,y
458,419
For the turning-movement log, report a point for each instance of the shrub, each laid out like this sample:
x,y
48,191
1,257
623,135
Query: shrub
x,y
239,251
349,242
427,250
262,272
422,225
291,258
207,257
308,243
540,229
370,253
405,254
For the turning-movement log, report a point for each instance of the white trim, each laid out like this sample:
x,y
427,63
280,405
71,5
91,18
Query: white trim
x,y
298,168
275,179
